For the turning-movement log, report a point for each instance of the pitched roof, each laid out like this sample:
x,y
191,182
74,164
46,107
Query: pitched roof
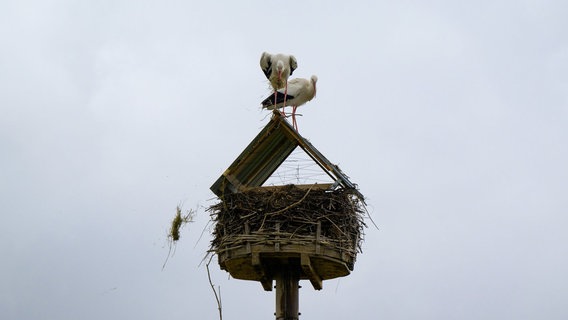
x,y
266,152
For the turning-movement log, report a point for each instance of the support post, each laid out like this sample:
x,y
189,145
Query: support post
x,y
287,297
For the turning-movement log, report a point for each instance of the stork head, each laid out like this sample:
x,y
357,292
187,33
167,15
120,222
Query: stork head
x,y
279,68
314,79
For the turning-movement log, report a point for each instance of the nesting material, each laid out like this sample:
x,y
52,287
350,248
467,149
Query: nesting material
x,y
178,222
289,214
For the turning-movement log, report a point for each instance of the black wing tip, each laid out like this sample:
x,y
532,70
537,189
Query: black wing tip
x,y
268,70
269,101
293,64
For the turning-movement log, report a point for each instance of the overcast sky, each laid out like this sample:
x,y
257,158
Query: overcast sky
x,y
451,116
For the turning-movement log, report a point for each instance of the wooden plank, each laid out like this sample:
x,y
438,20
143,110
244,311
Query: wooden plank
x,y
266,284
259,268
315,279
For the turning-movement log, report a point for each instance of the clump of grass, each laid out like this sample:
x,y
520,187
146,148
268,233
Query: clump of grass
x,y
179,221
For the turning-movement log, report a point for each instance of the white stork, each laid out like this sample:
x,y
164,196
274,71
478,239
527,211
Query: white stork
x,y
299,92
277,68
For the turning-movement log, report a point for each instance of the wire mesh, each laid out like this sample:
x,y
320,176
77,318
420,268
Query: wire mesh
x,y
298,168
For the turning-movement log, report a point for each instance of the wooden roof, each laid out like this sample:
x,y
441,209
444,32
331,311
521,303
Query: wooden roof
x,y
266,152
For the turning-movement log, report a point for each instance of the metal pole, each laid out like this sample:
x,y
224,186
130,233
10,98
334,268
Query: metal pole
x,y
287,297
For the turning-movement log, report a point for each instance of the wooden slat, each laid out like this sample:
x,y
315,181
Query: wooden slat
x,y
315,279
265,279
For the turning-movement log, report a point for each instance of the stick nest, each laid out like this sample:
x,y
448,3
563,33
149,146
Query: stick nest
x,y
289,214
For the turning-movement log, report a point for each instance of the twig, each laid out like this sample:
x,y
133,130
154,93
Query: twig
x,y
217,296
170,244
287,208
371,218
202,232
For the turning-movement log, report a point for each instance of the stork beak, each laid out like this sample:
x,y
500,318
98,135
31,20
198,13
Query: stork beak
x,y
279,74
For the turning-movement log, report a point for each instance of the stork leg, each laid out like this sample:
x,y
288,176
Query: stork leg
x,y
274,98
285,95
294,123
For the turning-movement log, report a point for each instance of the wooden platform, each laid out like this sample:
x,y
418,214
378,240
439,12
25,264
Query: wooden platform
x,y
313,258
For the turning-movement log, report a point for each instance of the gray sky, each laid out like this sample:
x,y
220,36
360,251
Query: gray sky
x,y
452,117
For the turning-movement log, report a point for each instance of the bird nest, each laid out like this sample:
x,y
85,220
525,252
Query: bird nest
x,y
292,214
